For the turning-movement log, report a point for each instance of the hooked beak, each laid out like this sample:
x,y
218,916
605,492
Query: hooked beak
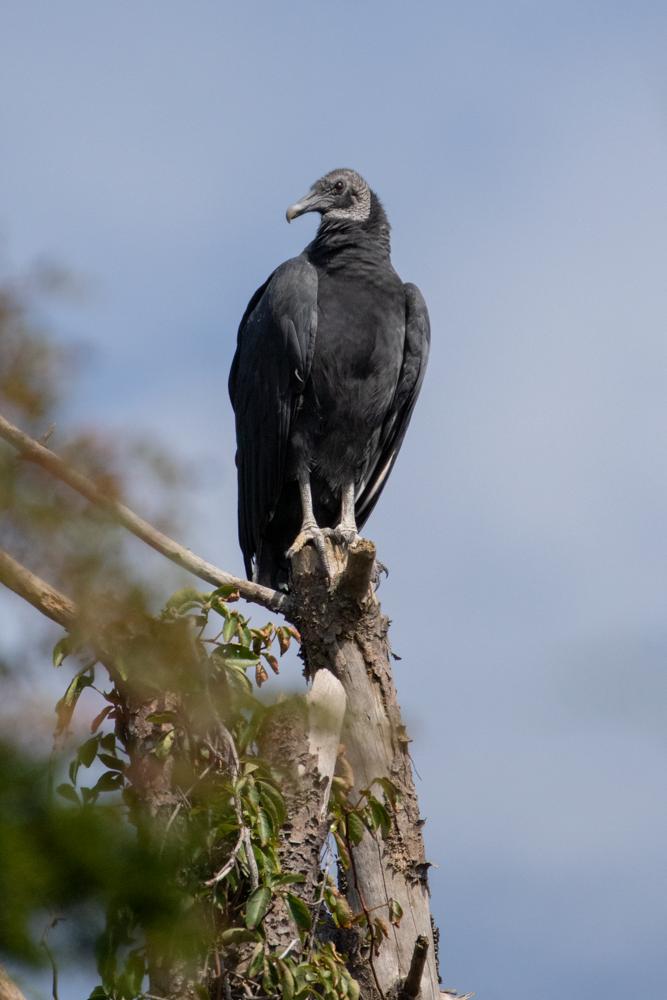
x,y
311,203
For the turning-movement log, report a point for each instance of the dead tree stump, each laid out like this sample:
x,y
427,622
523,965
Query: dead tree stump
x,y
344,631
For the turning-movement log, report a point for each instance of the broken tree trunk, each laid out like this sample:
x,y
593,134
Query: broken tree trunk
x,y
344,631
301,736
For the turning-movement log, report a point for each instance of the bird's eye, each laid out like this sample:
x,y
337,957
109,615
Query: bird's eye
x,y
338,186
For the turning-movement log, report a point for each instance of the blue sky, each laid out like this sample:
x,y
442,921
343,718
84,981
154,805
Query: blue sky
x,y
520,149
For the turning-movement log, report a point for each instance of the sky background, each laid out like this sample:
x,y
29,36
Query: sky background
x,y
520,149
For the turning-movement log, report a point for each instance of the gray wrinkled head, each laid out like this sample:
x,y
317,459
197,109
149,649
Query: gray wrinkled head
x,y
342,194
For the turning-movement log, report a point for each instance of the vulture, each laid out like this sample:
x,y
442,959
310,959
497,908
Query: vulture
x,y
330,358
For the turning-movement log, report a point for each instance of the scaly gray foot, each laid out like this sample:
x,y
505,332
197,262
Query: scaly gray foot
x,y
311,533
344,536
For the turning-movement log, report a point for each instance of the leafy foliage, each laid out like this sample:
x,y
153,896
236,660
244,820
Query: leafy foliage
x,y
195,881
58,858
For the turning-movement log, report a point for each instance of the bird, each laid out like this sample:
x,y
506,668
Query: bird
x,y
330,358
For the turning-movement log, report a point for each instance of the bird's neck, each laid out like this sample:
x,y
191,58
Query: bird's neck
x,y
348,237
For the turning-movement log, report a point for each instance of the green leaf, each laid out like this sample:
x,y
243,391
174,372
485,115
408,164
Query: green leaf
x,y
220,607
158,718
237,935
100,994
226,593
69,793
87,752
61,649
390,790
352,986
265,827
113,762
248,733
257,905
288,879
73,770
270,979
381,817
286,980
339,907
75,688
230,627
135,969
238,681
356,828
274,798
99,719
299,912
343,855
164,744
233,654
395,913
188,595
108,743
121,666
272,662
67,704
256,961
201,991
110,781
380,929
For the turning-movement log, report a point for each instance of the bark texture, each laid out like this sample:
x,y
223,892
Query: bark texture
x,y
344,631
151,779
37,592
8,988
301,736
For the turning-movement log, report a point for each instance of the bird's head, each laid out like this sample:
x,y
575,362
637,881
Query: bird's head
x,y
342,194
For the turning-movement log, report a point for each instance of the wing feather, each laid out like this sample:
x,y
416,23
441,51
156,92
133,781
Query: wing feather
x,y
274,352
415,359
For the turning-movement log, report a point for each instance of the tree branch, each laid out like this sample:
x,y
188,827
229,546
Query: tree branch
x,y
8,988
413,984
46,599
33,451
35,591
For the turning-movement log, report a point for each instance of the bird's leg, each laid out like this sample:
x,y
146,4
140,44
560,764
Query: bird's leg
x,y
348,522
346,532
310,530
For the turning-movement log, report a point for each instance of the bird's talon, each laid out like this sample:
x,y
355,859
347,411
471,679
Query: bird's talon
x,y
316,536
340,535
376,576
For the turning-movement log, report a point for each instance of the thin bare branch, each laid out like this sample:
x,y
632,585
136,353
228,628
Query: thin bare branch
x,y
289,948
33,451
231,861
41,595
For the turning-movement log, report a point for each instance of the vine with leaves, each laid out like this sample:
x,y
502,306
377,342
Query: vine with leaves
x,y
218,833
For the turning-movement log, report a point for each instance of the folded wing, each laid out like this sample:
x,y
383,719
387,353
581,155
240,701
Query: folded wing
x,y
415,358
274,352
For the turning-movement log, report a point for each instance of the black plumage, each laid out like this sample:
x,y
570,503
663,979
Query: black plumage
x,y
331,355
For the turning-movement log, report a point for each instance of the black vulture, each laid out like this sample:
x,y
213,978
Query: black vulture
x,y
330,358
